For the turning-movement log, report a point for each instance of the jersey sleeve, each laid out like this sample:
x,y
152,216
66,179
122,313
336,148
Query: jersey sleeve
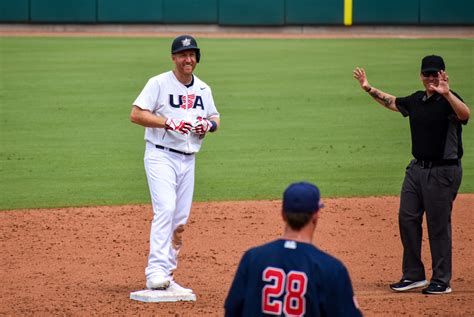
x,y
463,122
403,104
212,110
147,100
454,93
340,298
234,303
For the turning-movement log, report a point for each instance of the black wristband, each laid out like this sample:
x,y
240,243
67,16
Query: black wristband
x,y
368,90
213,126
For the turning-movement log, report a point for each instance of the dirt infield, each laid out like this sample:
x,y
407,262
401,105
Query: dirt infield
x,y
86,261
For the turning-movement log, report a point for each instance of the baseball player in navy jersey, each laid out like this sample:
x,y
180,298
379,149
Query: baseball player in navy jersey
x,y
290,276
177,110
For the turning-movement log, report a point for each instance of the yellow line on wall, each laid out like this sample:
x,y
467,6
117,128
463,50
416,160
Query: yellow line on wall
x,y
348,12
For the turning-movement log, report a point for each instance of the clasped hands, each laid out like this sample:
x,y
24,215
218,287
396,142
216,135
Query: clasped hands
x,y
199,126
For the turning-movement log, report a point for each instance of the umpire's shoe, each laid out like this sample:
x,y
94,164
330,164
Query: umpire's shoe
x,y
434,288
406,285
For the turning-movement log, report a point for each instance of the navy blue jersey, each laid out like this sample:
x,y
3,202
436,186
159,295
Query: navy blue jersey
x,y
289,278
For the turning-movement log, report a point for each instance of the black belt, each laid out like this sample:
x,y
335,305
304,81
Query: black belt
x,y
430,164
172,150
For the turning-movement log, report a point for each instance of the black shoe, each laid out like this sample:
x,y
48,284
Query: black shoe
x,y
434,288
405,285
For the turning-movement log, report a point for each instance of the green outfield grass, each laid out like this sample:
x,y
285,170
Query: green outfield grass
x,y
290,111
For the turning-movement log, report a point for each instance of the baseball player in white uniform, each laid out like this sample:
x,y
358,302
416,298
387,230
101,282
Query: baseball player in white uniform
x,y
177,110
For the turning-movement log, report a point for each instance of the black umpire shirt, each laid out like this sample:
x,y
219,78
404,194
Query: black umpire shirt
x,y
435,127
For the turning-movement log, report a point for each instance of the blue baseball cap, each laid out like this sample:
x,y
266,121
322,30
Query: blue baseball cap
x,y
301,197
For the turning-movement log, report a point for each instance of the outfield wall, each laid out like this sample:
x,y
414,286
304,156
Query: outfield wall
x,y
241,12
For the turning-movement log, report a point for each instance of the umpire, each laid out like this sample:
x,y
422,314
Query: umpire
x,y
433,177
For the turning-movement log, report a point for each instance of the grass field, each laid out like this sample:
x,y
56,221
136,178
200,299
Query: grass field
x,y
290,111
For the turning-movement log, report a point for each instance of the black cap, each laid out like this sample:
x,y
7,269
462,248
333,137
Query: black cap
x,y
432,63
183,43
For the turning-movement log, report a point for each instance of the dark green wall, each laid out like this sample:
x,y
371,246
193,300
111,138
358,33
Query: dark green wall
x,y
385,12
447,12
70,11
251,12
15,11
239,12
300,12
190,11
127,11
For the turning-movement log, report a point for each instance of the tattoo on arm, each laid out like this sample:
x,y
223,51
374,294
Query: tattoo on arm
x,y
377,96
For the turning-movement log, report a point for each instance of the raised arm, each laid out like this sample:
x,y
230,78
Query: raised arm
x,y
460,108
386,100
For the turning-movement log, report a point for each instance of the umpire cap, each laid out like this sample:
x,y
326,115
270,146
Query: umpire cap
x,y
432,63
185,42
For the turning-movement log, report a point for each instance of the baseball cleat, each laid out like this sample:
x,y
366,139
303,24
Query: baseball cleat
x,y
175,287
437,289
406,285
157,282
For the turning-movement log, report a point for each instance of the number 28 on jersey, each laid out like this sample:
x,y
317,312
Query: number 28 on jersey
x,y
284,293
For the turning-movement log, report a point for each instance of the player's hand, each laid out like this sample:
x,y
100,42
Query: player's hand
x,y
201,125
443,85
359,74
180,126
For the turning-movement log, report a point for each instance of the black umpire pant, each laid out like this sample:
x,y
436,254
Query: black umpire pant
x,y
430,189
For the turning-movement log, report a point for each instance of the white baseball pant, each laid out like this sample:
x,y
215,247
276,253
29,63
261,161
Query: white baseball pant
x,y
171,182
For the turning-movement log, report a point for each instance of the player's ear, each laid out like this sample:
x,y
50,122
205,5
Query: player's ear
x,y
283,216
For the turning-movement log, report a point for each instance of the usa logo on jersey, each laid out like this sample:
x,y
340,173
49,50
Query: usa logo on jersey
x,y
186,102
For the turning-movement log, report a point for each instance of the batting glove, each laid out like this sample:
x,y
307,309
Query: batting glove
x,y
180,126
201,126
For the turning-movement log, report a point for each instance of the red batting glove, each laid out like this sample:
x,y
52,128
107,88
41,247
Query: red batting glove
x,y
201,126
180,126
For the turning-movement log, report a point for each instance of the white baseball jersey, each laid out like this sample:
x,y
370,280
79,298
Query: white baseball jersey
x,y
165,96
